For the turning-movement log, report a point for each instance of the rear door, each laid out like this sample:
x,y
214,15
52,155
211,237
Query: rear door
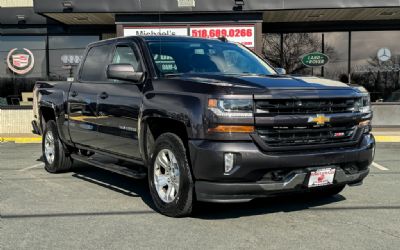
x,y
119,104
83,96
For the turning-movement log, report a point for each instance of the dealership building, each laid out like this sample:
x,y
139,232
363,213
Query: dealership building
x,y
353,41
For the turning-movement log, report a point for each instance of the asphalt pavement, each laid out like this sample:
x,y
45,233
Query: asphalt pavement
x,y
91,208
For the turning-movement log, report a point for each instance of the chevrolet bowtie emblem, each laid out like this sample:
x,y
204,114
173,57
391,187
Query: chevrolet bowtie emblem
x,y
319,119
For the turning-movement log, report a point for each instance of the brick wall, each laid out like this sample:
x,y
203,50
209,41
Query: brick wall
x,y
16,3
14,121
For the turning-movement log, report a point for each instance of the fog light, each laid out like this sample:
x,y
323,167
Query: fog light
x,y
229,162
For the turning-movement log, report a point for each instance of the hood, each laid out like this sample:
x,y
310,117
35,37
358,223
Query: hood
x,y
268,82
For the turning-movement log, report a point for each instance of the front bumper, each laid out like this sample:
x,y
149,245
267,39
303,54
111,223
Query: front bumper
x,y
242,192
250,177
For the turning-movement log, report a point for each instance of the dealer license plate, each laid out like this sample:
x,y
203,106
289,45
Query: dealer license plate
x,y
321,177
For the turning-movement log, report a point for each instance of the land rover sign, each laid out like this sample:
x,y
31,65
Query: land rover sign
x,y
315,59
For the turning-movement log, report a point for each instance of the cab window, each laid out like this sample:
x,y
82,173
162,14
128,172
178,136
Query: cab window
x,y
95,64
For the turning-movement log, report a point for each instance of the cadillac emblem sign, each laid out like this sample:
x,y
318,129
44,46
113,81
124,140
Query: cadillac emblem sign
x,y
20,61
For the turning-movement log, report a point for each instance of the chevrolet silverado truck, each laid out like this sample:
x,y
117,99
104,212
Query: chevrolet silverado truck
x,y
204,120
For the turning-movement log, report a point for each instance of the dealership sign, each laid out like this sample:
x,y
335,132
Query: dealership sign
x,y
315,59
384,54
243,34
20,61
71,59
155,31
186,3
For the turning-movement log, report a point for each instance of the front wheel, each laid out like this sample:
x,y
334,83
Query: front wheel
x,y
170,178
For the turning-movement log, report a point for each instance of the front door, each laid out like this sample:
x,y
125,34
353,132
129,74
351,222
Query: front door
x,y
119,104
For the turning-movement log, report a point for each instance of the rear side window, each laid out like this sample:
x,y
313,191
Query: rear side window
x,y
96,62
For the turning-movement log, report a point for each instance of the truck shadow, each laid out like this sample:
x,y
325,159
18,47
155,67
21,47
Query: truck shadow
x,y
113,181
208,211
286,204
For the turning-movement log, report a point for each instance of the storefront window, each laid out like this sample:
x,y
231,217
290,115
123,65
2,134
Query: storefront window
x,y
24,63
65,54
293,47
375,63
375,58
272,49
337,48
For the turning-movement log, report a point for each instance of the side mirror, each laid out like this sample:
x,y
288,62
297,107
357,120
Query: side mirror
x,y
281,71
125,72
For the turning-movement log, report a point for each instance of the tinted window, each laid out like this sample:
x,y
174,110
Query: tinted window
x,y
125,54
70,42
211,57
94,67
375,63
65,54
12,84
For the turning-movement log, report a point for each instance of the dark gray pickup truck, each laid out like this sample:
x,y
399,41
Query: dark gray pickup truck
x,y
204,120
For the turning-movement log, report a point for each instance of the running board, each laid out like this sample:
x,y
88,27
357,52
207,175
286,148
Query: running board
x,y
136,174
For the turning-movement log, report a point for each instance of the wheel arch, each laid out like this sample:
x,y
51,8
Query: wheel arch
x,y
154,126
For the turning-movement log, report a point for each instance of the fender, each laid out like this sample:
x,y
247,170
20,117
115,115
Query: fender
x,y
56,100
179,107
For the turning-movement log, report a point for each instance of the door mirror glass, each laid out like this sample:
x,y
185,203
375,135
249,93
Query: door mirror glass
x,y
281,71
125,72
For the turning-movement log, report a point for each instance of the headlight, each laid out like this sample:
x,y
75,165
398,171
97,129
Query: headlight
x,y
363,105
231,107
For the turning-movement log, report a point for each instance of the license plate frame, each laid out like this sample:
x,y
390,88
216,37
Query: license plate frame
x,y
321,177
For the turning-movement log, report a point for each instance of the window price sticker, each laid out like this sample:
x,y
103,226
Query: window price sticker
x,y
243,34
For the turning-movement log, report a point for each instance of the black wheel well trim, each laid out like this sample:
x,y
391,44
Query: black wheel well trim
x,y
50,113
182,131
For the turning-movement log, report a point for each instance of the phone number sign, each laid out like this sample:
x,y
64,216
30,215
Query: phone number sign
x,y
243,34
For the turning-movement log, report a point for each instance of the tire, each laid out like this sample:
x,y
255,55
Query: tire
x,y
179,203
55,158
327,191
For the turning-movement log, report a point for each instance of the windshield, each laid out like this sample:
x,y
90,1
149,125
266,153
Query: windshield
x,y
206,57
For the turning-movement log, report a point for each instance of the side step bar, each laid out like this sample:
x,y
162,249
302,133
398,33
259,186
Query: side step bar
x,y
110,167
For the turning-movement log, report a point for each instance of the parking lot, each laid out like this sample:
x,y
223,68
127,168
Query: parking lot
x,y
91,208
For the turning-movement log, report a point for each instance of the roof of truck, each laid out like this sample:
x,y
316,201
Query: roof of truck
x,y
158,39
174,38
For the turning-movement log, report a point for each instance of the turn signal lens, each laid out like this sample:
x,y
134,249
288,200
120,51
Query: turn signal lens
x,y
212,103
231,129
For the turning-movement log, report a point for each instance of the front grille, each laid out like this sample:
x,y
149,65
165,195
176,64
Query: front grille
x,y
279,136
305,106
284,124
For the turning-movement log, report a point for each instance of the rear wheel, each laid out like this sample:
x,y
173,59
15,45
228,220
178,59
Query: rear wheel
x,y
170,178
55,158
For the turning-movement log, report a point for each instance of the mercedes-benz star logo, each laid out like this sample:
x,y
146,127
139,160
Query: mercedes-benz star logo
x,y
384,54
